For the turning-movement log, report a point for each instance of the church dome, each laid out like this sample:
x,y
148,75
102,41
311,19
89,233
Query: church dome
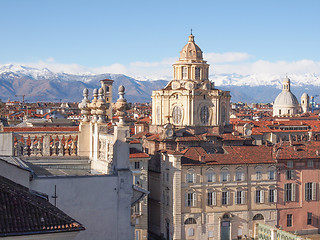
x,y
286,102
191,51
286,98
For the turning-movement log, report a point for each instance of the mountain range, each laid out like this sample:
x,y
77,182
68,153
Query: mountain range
x,y
46,85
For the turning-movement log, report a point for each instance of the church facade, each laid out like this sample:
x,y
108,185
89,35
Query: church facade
x,y
190,99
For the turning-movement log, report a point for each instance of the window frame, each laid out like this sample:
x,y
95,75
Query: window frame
x,y
190,176
225,197
309,218
258,175
289,220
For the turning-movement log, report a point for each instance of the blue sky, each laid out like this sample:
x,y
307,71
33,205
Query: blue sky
x,y
145,37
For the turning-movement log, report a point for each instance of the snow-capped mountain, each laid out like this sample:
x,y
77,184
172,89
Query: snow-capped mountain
x,y
46,85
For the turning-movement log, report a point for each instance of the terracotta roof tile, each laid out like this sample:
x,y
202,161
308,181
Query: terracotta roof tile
x,y
231,155
298,150
135,153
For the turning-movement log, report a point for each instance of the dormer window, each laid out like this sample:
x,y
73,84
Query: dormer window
x,y
190,52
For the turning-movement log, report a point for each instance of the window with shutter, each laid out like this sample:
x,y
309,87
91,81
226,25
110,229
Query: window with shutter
x,y
190,199
243,197
271,195
194,198
224,198
294,186
258,196
214,198
262,196
314,191
289,192
239,197
210,200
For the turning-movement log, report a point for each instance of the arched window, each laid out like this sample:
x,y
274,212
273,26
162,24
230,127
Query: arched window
x,y
258,217
158,115
176,115
204,115
223,113
211,176
190,221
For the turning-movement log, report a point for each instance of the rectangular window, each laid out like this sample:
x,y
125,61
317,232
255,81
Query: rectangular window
x,y
184,72
224,199
239,197
290,174
309,218
136,208
137,180
190,177
310,191
211,177
197,73
272,195
224,176
272,175
258,197
167,176
289,220
289,164
239,176
258,175
310,163
136,165
190,199
289,192
212,199
191,232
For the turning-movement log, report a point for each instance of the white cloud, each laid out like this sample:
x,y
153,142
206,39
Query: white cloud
x,y
267,67
220,63
227,57
116,68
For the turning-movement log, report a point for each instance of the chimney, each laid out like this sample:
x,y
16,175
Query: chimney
x,y
202,158
317,152
290,140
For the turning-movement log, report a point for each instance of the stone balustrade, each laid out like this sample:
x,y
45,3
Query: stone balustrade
x,y
45,144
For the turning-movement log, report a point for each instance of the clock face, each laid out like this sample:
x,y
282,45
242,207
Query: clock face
x,y
204,115
169,132
176,115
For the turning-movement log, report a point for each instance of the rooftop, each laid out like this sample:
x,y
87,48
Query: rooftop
x,y
23,212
